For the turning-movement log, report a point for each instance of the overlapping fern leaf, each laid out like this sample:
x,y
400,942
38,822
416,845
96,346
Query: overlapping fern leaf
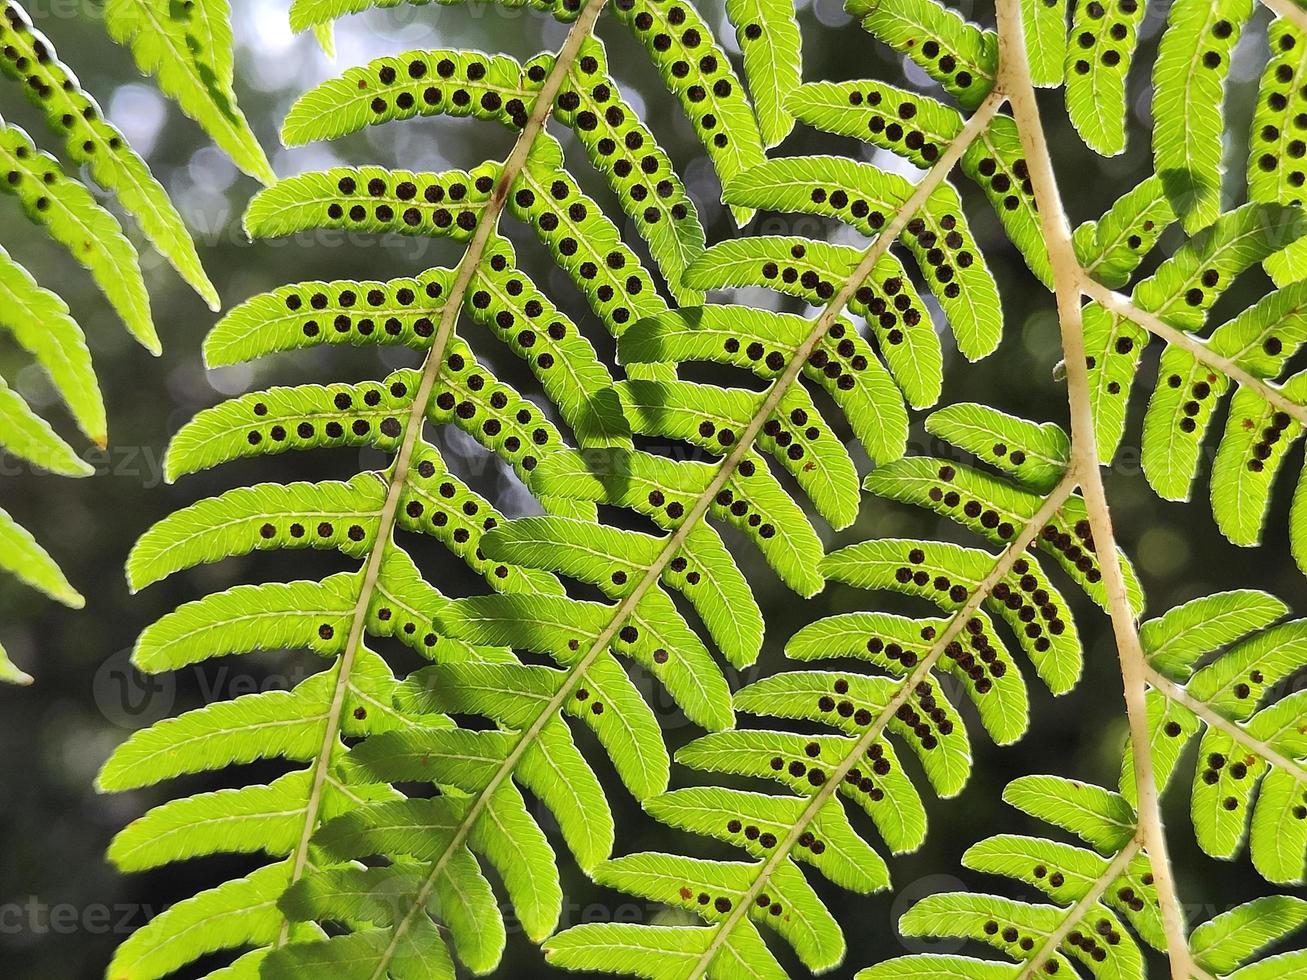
x,y
1189,77
36,317
336,805
399,795
962,59
1246,353
902,699
1101,902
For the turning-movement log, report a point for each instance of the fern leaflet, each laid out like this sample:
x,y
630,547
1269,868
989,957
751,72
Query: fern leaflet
x,y
188,48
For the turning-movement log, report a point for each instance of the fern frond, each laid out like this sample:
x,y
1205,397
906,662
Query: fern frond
x,y
417,83
860,763
918,128
1276,139
94,142
347,810
622,147
796,435
275,724
1046,30
809,269
375,200
986,671
583,242
697,72
38,318
768,34
666,492
360,804
994,507
30,437
42,325
1248,739
1111,248
1042,939
318,616
663,489
613,560
1094,895
401,312
656,637
23,558
405,808
948,575
1042,450
236,913
1194,374
764,342
188,48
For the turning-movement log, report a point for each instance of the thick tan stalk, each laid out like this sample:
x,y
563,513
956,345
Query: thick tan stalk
x,y
835,778
435,358
1114,302
1014,73
1290,11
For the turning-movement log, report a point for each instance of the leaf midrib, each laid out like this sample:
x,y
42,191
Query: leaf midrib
x,y
467,268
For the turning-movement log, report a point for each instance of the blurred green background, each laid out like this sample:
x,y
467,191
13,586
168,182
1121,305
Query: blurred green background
x,y
62,907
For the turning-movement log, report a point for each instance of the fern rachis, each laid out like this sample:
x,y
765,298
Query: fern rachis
x,y
466,268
